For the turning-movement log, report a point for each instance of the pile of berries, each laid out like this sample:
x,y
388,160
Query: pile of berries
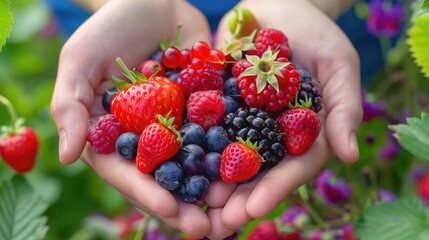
x,y
189,117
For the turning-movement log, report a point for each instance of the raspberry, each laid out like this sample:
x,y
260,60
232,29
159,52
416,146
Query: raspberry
x,y
206,108
194,79
239,67
271,38
103,135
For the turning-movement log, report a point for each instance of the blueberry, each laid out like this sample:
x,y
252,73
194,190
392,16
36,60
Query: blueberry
x,y
194,188
169,175
230,103
212,165
157,56
126,145
174,76
216,139
106,99
192,159
231,88
192,133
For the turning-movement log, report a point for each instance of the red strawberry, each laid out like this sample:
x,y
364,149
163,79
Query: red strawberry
x,y
199,78
240,161
136,105
268,83
239,67
103,135
206,108
158,142
300,127
270,38
20,149
267,229
150,67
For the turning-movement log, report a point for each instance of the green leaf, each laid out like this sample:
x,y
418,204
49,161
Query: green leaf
x,y
120,84
414,136
425,6
21,211
406,218
6,21
418,40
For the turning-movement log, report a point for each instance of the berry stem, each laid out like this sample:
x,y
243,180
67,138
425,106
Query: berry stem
x,y
10,109
177,36
141,232
239,26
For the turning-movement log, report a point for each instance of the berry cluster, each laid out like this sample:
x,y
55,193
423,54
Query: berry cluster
x,y
193,116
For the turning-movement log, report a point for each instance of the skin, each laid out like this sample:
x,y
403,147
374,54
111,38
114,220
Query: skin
x,y
87,62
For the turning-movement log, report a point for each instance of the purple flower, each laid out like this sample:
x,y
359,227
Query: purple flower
x,y
385,19
391,149
331,189
386,196
371,109
316,235
295,215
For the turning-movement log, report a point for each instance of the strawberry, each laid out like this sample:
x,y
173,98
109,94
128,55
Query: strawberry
x,y
271,38
240,161
270,82
136,105
267,229
158,142
300,127
199,77
18,144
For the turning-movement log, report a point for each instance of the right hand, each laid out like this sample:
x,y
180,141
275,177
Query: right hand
x,y
123,29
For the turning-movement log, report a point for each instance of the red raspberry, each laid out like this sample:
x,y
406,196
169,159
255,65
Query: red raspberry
x,y
206,108
271,38
239,67
102,136
194,79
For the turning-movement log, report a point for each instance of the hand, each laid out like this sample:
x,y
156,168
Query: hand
x,y
323,49
121,29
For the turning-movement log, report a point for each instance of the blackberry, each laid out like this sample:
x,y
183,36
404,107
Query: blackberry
x,y
256,125
309,89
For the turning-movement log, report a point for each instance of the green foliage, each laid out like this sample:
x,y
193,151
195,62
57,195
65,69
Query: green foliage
x,y
414,136
419,38
21,211
406,218
6,20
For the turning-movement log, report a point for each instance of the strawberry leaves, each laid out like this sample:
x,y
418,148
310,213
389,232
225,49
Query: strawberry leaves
x,y
6,21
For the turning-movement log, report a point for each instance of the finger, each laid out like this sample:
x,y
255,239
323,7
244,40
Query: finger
x,y
218,228
124,176
286,177
234,214
219,193
342,99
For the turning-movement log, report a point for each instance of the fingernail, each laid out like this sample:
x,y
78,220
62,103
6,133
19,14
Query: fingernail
x,y
63,142
353,142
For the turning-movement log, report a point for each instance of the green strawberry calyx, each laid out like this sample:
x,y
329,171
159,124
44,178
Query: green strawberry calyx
x,y
164,44
167,122
252,145
133,77
16,124
306,103
236,47
265,68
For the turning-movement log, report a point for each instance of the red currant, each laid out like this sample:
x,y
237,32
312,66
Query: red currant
x,y
187,58
217,59
172,57
150,67
200,50
197,64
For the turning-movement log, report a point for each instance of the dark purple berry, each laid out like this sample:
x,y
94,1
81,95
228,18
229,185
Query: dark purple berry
x,y
174,76
156,56
212,166
231,88
106,99
216,139
230,103
192,159
169,175
192,133
126,145
193,189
